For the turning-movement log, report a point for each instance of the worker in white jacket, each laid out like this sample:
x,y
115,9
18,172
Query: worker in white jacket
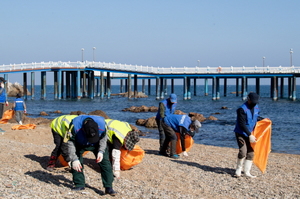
x,y
119,134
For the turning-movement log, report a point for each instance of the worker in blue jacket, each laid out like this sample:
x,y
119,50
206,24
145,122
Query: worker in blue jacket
x,y
247,117
181,124
89,134
165,108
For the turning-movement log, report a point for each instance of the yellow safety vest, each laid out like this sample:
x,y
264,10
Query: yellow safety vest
x,y
61,124
117,128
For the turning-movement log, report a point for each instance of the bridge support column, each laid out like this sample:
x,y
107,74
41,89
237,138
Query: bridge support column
x,y
195,86
32,84
43,85
189,95
162,88
294,88
165,87
206,87
274,88
25,85
244,86
108,85
185,89
143,86
68,85
60,84
281,87
214,88
225,86
135,90
217,88
55,85
77,84
157,89
237,87
172,86
290,88
121,85
129,86
257,85
102,85
149,87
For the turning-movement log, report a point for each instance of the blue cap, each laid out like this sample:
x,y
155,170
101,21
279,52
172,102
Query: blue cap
x,y
173,98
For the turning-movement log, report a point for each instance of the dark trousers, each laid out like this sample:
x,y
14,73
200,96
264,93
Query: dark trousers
x,y
1,109
58,142
161,132
245,149
170,137
105,167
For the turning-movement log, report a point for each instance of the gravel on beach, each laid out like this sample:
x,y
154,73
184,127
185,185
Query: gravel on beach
x,y
208,172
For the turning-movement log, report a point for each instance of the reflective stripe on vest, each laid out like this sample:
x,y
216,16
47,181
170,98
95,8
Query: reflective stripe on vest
x,y
117,128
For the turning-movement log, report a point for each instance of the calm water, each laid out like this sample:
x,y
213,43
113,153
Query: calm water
x,y
283,113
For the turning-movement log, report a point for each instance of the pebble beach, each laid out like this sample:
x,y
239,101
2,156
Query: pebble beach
x,y
208,172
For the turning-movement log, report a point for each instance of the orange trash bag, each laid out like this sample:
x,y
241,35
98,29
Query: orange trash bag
x,y
7,115
24,126
131,158
63,162
262,147
189,141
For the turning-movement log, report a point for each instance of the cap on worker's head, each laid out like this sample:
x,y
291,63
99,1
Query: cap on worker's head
x,y
197,125
2,80
18,95
131,139
253,97
173,98
90,128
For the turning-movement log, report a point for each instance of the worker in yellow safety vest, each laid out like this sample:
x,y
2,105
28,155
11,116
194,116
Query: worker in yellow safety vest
x,y
60,127
119,134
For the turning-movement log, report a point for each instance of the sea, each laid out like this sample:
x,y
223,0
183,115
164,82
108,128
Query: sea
x,y
284,113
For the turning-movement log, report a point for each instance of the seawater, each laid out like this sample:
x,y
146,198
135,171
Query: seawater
x,y
284,113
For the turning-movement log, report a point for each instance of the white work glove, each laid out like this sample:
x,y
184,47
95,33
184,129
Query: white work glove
x,y
252,138
117,174
185,153
99,157
76,165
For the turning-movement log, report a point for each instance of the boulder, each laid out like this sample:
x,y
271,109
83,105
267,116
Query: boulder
x,y
197,116
43,113
77,113
14,89
212,118
99,113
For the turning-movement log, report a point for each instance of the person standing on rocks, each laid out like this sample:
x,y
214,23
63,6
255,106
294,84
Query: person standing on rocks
x,y
181,124
165,108
60,127
88,133
3,96
247,117
19,107
119,134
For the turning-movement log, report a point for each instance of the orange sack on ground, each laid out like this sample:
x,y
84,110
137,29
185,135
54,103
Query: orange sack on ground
x,y
63,162
24,126
7,115
262,147
189,141
131,158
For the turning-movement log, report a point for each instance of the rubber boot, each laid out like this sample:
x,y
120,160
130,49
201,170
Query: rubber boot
x,y
247,168
51,163
239,167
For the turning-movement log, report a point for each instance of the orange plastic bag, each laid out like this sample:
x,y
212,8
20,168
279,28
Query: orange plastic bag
x,y
24,126
262,147
7,115
131,158
189,141
63,162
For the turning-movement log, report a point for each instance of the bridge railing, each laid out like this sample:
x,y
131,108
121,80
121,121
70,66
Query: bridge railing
x,y
150,69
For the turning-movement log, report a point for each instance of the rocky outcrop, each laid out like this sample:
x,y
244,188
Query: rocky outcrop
x,y
138,94
142,108
14,89
197,116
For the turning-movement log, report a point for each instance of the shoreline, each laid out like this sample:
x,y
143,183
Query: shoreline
x,y
206,173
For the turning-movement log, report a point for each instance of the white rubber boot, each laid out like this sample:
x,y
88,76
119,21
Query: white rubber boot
x,y
239,167
247,168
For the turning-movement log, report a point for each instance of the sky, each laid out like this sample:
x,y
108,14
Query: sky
x,y
159,33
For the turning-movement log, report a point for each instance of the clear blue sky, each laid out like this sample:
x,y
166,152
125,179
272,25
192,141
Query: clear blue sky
x,y
156,33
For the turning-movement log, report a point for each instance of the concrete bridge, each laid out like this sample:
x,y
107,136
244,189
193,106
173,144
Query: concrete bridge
x,y
91,79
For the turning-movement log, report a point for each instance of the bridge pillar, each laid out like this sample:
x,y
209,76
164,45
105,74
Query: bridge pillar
x,y
60,84
237,87
214,88
290,88
185,88
157,89
244,87
172,86
84,91
25,85
161,88
135,90
32,84
188,88
195,86
43,85
225,86
294,88
206,87
108,85
165,87
217,88
68,85
79,94
102,85
149,87
55,85
274,88
121,85
143,86
129,86
257,85
281,87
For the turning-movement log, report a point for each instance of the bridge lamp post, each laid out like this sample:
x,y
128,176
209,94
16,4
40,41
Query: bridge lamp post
x,y
82,49
94,48
264,61
291,56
